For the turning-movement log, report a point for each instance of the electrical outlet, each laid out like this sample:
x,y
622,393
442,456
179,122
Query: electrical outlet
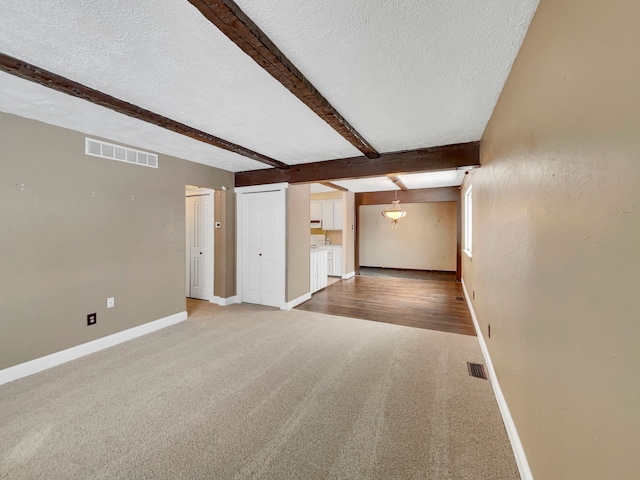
x,y
489,329
111,302
92,318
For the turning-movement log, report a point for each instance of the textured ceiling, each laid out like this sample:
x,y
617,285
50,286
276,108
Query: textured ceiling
x,y
404,73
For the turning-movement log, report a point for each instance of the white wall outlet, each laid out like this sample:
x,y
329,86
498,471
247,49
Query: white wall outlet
x,y
111,302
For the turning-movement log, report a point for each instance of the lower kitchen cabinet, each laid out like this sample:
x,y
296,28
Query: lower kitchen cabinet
x,y
318,270
334,260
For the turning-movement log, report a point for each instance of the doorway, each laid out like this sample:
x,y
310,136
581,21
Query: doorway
x,y
199,243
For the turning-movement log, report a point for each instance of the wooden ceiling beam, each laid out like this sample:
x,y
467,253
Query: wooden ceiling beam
x,y
398,182
241,30
59,83
334,186
445,157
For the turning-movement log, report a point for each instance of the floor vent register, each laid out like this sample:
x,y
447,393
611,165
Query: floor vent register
x,y
477,370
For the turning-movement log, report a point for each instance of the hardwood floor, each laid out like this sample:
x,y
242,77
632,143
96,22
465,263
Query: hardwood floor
x,y
432,305
404,273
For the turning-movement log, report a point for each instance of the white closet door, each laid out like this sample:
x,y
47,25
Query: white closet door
x,y
263,248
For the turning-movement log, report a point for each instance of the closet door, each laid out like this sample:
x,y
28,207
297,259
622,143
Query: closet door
x,y
263,248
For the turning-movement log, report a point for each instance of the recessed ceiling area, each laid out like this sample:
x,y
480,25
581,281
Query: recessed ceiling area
x,y
405,75
446,178
371,184
413,181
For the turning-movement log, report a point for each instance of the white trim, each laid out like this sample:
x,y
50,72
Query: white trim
x,y
296,302
224,301
262,188
347,276
467,240
63,356
516,445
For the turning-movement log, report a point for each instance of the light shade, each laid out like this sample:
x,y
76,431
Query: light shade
x,y
394,212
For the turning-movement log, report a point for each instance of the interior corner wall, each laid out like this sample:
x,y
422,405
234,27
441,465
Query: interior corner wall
x,y
224,284
349,231
298,252
83,229
425,238
556,235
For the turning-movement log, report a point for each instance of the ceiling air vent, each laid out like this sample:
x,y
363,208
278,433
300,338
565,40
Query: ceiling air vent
x,y
101,149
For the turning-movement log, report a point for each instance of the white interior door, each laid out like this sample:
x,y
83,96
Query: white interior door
x,y
200,233
263,248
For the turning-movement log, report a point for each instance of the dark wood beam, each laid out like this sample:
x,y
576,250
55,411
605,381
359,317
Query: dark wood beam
x,y
334,186
445,157
59,83
241,30
398,182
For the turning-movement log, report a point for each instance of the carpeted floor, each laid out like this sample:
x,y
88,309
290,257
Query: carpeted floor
x,y
251,392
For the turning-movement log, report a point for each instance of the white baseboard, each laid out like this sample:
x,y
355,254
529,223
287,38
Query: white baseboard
x,y
518,451
224,301
296,302
347,276
63,356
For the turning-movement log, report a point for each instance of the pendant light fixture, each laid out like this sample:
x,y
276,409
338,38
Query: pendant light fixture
x,y
394,212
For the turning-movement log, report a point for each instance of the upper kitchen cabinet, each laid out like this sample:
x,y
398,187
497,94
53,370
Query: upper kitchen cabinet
x,y
316,211
332,217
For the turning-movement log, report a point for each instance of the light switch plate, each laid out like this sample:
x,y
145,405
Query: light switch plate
x,y
111,302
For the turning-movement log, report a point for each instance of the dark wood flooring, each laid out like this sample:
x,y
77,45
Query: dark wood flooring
x,y
404,273
429,304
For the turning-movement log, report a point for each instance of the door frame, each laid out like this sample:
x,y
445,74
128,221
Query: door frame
x,y
240,192
199,192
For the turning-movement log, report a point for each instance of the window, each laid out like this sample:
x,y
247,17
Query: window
x,y
468,222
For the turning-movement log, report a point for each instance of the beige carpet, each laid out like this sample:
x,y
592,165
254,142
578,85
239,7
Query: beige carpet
x,y
252,392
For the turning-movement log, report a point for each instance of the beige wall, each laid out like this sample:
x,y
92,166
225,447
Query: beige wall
x,y
224,284
349,232
424,240
556,259
326,196
298,252
74,237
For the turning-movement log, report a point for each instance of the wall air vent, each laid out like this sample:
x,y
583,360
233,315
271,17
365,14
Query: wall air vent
x,y
98,148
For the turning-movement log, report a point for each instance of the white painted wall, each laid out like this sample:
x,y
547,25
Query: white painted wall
x,y
424,240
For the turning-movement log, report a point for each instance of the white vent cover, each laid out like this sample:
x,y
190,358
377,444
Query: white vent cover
x,y
101,149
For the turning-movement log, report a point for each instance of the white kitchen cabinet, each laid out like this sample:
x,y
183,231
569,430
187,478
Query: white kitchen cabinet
x,y
337,215
327,215
337,262
334,259
331,214
318,270
315,211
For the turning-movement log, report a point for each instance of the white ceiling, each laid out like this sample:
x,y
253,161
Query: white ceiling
x,y
404,73
446,178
